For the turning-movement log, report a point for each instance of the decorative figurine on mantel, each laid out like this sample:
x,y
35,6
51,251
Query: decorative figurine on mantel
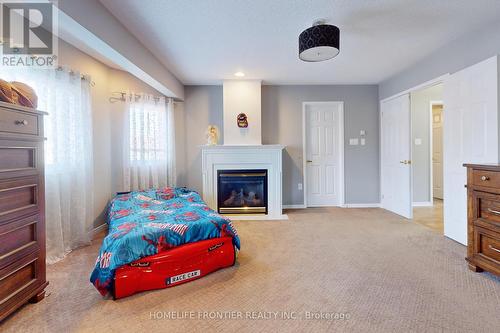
x,y
242,120
212,135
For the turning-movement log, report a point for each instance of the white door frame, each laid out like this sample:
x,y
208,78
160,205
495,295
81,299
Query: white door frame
x,y
427,84
431,148
341,149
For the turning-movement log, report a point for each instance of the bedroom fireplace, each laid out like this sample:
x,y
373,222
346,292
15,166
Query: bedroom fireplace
x,y
242,191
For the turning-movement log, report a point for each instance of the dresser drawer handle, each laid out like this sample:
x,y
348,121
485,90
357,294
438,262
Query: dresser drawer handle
x,y
21,122
493,248
493,211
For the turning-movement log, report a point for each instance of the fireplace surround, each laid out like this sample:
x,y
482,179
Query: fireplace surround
x,y
244,157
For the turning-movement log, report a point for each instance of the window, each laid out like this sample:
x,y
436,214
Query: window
x,y
147,129
149,145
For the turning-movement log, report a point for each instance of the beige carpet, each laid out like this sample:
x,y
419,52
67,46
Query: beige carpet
x,y
384,273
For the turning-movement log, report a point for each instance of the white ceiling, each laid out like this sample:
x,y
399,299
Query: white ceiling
x,y
205,41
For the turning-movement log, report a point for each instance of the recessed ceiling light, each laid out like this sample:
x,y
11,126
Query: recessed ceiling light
x,y
239,74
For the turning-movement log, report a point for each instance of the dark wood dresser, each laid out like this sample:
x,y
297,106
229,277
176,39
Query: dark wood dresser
x,y
22,212
483,220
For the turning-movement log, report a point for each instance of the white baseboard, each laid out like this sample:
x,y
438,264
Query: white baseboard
x,y
300,206
423,204
98,229
362,205
355,205
236,217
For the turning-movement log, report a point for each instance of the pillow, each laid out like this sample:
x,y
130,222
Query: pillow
x,y
166,193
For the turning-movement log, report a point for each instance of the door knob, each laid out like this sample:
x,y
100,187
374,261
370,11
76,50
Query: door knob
x,y
405,162
309,161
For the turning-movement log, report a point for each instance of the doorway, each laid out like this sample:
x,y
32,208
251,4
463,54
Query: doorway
x,y
470,135
323,142
427,156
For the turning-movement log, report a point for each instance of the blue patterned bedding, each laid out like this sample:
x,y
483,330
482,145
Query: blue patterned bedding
x,y
143,223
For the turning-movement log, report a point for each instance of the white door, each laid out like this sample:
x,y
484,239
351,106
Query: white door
x,y
323,138
470,135
395,156
437,151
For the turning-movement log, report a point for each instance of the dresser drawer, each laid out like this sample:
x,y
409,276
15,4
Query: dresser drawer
x,y
486,178
18,197
16,158
487,244
18,278
18,122
18,238
489,209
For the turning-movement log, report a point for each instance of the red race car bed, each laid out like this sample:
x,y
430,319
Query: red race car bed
x,y
176,266
159,239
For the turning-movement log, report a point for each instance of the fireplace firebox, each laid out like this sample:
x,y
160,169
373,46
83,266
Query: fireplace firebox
x,y
242,191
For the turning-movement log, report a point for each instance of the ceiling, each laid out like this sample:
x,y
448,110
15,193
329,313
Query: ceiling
x,y
206,41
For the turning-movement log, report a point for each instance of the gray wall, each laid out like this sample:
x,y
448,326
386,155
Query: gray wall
x,y
420,126
459,54
282,124
202,106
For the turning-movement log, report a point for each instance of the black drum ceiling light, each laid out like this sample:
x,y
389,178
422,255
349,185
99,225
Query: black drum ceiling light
x,y
319,42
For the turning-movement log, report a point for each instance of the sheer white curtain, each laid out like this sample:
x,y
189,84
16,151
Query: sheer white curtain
x,y
149,153
68,155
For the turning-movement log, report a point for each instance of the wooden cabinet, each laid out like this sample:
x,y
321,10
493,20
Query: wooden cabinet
x,y
22,208
483,217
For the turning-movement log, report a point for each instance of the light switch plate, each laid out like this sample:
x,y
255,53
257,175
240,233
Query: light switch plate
x,y
418,142
363,141
353,142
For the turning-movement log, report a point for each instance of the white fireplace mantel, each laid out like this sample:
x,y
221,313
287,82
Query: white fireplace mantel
x,y
238,157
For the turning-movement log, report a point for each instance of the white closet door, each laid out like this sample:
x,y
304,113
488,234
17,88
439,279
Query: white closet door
x,y
395,155
470,135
